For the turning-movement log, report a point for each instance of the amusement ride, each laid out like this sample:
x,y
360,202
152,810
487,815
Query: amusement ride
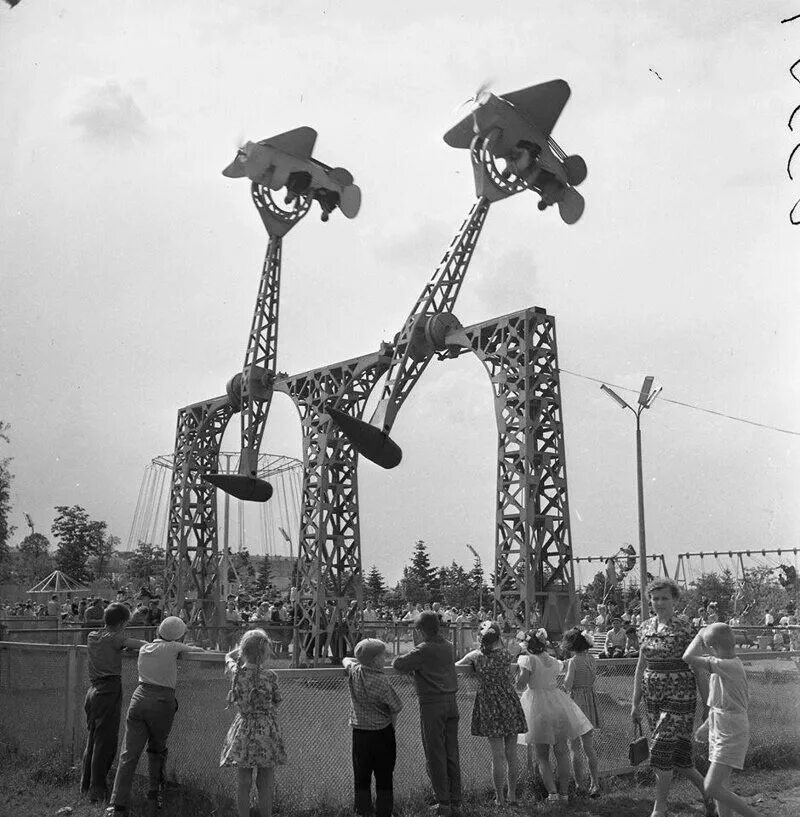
x,y
508,138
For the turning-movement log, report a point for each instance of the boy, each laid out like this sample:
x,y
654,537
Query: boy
x,y
616,639
432,663
103,703
150,714
373,710
727,727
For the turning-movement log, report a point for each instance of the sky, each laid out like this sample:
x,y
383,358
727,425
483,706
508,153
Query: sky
x,y
129,264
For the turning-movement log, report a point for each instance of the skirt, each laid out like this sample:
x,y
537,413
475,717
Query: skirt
x,y
552,716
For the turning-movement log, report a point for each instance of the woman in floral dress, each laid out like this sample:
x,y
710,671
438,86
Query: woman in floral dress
x,y
497,714
254,743
669,688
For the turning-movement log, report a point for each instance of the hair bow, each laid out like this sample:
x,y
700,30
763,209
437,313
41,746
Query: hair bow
x,y
541,634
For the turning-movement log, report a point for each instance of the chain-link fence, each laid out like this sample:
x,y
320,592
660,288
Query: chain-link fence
x,y
41,706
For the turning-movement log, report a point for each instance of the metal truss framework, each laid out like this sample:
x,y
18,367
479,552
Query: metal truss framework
x,y
533,566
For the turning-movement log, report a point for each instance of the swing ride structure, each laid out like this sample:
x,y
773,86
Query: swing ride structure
x,y
511,151
736,562
268,525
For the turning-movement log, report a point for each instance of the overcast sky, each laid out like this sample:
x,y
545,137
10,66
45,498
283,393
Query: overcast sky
x,y
130,265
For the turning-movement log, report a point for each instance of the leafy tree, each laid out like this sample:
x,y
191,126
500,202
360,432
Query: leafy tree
x,y
716,587
71,528
34,561
103,552
376,586
146,561
6,529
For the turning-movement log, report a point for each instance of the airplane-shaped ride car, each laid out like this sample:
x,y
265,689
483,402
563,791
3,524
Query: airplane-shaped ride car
x,y
517,127
285,161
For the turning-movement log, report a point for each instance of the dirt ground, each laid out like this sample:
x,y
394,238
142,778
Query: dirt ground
x,y
40,787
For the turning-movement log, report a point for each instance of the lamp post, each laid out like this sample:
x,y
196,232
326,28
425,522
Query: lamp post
x,y
646,398
480,589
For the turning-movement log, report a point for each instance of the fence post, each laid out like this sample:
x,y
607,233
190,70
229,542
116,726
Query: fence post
x,y
69,698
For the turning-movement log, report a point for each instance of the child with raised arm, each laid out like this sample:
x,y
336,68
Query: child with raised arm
x,y
497,713
374,705
727,727
254,743
103,702
150,715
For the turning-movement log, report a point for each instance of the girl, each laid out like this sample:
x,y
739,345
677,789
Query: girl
x,y
579,683
497,713
254,742
553,717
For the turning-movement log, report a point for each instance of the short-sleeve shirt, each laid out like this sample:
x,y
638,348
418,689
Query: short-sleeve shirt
x,y
158,662
727,686
105,653
668,643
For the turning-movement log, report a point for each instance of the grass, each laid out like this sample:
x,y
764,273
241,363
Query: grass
x,y
38,785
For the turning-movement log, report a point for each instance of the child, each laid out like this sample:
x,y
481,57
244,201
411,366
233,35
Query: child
x,y
727,726
553,717
615,640
497,713
579,684
150,714
103,702
433,664
254,742
374,705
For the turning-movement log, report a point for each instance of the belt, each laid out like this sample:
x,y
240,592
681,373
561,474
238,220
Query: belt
x,y
666,665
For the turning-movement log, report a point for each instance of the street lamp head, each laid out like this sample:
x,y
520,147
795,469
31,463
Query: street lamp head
x,y
615,397
644,394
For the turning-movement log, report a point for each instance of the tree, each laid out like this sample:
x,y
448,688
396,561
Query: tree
x,y
412,588
103,553
480,592
376,586
421,569
263,581
6,528
456,588
34,561
146,561
79,538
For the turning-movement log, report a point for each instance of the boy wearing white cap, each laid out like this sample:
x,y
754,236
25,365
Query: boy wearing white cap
x,y
374,705
150,714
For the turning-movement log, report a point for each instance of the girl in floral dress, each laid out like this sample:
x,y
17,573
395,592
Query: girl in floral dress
x,y
254,742
497,714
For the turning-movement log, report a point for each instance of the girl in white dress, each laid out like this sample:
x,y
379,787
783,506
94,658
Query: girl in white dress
x,y
554,719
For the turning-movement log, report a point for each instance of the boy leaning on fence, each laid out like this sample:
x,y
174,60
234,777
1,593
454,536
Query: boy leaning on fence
x,y
103,702
432,663
150,714
726,728
374,705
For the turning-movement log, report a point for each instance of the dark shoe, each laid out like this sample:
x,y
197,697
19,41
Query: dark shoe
x,y
711,807
98,795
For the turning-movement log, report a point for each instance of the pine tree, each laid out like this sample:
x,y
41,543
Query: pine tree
x,y
421,568
376,586
477,584
263,581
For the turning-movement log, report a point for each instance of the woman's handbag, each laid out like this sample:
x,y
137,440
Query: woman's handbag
x,y
639,749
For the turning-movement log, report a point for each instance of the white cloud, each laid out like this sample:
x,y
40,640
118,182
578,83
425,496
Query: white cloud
x,y
107,112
